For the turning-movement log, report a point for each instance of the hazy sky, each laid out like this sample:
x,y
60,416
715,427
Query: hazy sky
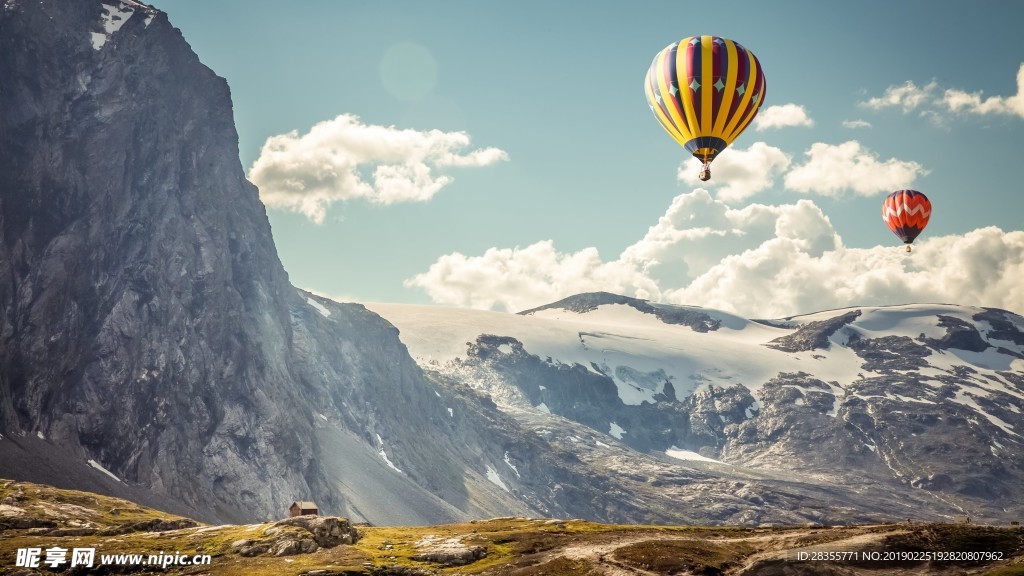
x,y
502,155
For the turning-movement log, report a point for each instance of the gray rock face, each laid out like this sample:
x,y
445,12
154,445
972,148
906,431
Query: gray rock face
x,y
146,323
813,335
145,317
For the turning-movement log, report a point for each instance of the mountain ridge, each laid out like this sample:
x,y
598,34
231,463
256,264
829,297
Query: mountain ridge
x,y
855,387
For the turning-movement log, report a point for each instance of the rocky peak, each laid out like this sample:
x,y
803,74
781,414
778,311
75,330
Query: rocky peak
x,y
144,313
696,319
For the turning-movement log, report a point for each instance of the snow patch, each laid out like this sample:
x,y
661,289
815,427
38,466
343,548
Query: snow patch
x,y
511,465
99,467
451,413
542,407
112,18
966,399
918,400
98,39
492,475
678,454
384,456
319,308
616,431
40,435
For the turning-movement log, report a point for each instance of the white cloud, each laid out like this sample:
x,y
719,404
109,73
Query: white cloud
x,y
738,174
697,232
759,261
979,268
782,116
854,124
934,107
519,278
907,96
344,159
832,169
959,101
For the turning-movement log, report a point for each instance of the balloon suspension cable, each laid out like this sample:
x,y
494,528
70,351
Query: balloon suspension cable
x,y
705,171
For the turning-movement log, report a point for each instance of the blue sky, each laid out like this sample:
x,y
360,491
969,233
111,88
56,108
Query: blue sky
x,y
517,161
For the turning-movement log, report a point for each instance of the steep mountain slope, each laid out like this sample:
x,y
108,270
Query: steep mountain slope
x,y
149,338
139,286
918,406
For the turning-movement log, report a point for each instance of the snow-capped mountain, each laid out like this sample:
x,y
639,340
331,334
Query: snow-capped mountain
x,y
922,403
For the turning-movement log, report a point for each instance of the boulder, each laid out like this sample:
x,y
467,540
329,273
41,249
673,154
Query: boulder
x,y
328,531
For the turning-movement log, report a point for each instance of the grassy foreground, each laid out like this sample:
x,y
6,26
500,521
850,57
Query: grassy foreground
x,y
42,517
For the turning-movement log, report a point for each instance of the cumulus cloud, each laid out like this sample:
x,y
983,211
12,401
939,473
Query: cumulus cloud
x,y
515,279
759,261
959,101
697,232
344,159
908,96
978,268
933,105
854,124
831,170
782,116
738,173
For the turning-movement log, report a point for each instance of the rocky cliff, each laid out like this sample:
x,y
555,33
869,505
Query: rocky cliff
x,y
149,336
144,314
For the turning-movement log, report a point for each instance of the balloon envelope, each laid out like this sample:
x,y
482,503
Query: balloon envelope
x,y
704,90
906,213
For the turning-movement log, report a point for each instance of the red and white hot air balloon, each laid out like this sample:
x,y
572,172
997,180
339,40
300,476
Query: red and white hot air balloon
x,y
906,213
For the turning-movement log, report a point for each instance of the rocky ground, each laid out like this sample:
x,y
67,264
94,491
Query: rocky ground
x,y
39,516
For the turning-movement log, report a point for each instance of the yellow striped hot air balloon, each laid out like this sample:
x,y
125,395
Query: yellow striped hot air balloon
x,y
704,90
